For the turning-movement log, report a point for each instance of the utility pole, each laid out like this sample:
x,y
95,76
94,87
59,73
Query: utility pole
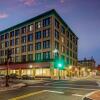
x,y
7,69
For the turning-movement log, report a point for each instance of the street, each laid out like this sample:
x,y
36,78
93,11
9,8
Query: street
x,y
52,90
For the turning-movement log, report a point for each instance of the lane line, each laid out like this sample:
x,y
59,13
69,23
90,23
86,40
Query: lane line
x,y
78,95
28,95
55,92
62,87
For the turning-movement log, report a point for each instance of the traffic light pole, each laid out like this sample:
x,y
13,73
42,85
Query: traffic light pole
x,y
59,73
7,80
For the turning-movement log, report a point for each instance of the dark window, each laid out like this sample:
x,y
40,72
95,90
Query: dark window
x,y
12,34
46,33
23,40
6,35
30,47
23,30
56,45
56,34
17,41
12,51
38,35
46,44
12,42
63,30
2,37
23,58
37,56
56,24
17,32
38,46
6,43
30,37
24,48
46,22
30,57
46,55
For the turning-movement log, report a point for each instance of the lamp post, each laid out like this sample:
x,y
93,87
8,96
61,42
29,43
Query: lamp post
x,y
7,69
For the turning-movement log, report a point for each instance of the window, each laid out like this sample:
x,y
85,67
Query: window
x,y
2,53
17,59
46,44
63,49
24,48
71,37
17,32
23,40
46,55
6,43
38,46
38,35
30,37
12,42
56,45
12,34
2,37
70,45
6,35
56,24
38,25
23,30
68,52
67,34
30,27
46,33
17,50
16,41
2,45
37,56
63,30
56,34
62,39
30,57
46,22
23,58
12,50
30,47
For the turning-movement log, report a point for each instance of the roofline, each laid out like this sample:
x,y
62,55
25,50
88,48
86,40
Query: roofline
x,y
37,17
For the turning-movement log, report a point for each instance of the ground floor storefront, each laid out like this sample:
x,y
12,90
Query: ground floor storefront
x,y
36,70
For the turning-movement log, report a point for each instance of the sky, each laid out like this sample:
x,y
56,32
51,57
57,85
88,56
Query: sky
x,y
82,16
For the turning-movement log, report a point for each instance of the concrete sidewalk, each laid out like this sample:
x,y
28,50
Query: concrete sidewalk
x,y
12,86
93,96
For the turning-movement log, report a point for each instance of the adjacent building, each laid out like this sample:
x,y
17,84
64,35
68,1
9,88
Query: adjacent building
x,y
35,43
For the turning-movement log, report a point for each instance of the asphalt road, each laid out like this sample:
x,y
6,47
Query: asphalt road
x,y
52,90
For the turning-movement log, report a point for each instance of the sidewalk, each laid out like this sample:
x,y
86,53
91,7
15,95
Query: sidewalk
x,y
12,86
93,96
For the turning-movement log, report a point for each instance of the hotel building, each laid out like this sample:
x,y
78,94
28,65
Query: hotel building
x,y
34,45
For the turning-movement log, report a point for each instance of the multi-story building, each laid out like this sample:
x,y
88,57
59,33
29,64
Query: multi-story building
x,y
33,44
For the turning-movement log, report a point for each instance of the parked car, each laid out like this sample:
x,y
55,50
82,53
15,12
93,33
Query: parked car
x,y
27,77
2,76
14,76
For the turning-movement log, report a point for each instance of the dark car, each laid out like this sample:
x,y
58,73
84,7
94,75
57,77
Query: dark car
x,y
27,77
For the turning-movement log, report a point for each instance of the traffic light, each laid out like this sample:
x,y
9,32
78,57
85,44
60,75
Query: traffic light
x,y
59,64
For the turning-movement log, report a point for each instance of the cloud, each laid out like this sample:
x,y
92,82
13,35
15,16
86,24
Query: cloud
x,y
62,1
3,15
28,2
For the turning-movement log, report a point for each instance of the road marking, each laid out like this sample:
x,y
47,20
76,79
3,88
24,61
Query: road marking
x,y
27,95
62,87
55,92
78,95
